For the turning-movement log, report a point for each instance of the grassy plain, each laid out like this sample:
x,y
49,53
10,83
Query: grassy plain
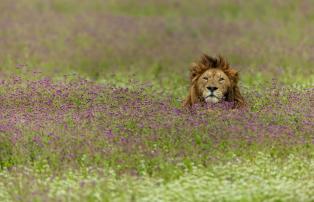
x,y
91,94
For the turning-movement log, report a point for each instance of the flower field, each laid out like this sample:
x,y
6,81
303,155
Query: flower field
x,y
91,95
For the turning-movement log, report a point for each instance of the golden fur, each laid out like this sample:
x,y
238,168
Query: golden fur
x,y
213,80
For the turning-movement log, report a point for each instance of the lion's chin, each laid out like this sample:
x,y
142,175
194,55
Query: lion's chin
x,y
212,100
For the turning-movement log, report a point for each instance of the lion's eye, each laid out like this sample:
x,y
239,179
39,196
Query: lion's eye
x,y
205,78
221,79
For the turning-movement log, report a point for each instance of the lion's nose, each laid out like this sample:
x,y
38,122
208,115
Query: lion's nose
x,y
212,88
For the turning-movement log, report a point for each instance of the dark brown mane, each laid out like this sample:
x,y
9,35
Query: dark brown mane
x,y
207,62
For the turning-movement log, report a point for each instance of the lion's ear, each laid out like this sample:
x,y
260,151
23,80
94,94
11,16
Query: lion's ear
x,y
233,75
195,71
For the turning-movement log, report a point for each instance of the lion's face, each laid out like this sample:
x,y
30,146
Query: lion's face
x,y
213,80
212,85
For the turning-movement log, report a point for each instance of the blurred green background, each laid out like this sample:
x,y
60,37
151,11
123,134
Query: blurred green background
x,y
157,40
121,42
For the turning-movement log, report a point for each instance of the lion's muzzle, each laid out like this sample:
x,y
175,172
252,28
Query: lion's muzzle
x,y
212,94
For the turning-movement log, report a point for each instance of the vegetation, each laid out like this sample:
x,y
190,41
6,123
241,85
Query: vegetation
x,y
91,95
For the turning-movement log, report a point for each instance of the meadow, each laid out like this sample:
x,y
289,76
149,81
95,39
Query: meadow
x,y
91,94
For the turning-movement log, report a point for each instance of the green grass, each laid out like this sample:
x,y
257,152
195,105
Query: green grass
x,y
263,178
126,44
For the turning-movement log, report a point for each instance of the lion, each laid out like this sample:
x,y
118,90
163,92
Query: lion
x,y
212,80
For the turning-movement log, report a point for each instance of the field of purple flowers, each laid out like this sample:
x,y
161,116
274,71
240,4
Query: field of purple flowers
x,y
91,93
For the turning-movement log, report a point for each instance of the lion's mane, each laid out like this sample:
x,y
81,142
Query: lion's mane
x,y
205,63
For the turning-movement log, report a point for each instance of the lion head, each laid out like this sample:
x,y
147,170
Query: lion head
x,y
212,81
